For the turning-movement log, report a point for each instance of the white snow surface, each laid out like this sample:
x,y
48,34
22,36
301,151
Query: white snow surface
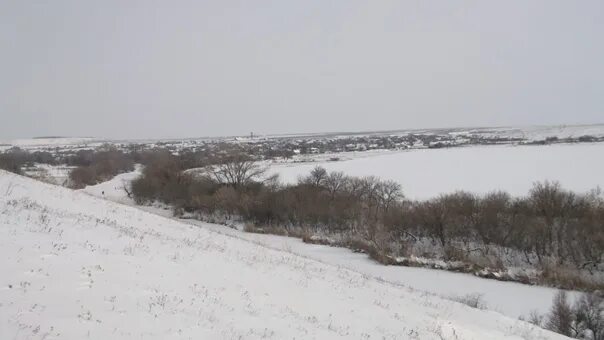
x,y
50,142
75,266
427,173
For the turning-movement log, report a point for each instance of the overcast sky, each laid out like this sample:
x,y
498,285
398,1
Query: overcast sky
x,y
140,69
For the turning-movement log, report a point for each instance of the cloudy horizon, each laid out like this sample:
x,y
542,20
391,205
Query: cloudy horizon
x,y
152,69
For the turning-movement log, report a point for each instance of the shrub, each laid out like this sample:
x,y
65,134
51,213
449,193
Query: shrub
x,y
14,159
10,163
82,176
99,166
474,300
560,319
589,317
584,320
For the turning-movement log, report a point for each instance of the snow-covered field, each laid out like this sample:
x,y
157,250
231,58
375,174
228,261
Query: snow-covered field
x,y
50,142
75,266
538,133
523,133
426,173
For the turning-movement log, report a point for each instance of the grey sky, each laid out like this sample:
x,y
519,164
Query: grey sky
x,y
137,69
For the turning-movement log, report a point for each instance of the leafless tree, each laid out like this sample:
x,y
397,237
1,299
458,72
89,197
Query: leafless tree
x,y
589,315
553,205
335,182
561,315
317,177
239,170
388,193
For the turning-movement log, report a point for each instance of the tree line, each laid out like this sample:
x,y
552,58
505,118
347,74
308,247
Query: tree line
x,y
549,227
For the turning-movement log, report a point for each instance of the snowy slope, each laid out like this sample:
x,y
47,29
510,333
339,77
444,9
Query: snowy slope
x,y
74,266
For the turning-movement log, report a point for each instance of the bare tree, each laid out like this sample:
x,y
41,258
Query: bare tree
x,y
553,205
354,187
82,176
335,182
13,160
388,193
239,170
317,177
589,314
561,315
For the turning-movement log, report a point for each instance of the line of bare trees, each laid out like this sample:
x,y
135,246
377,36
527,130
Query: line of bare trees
x,y
549,224
15,159
91,166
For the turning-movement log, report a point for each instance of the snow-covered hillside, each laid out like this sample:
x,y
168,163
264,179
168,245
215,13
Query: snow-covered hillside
x,y
429,172
75,266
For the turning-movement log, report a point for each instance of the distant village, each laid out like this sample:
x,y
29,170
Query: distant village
x,y
299,147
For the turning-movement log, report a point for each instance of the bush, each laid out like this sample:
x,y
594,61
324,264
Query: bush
x,y
82,176
10,163
99,166
474,300
589,317
14,159
584,320
560,319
